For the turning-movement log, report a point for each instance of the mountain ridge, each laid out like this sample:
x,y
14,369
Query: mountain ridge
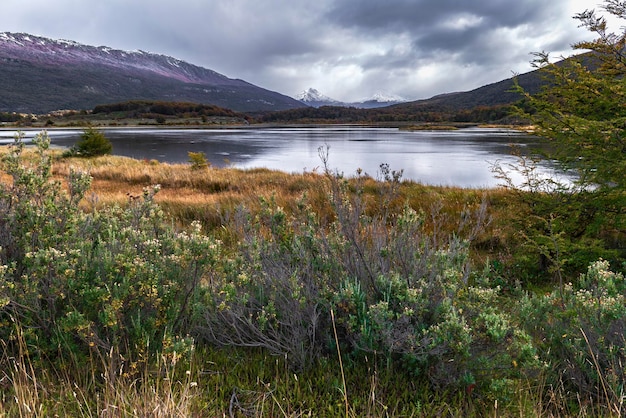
x,y
40,74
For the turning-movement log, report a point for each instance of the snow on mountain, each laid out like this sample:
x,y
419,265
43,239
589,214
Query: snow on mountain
x,y
41,74
314,98
42,49
379,100
385,98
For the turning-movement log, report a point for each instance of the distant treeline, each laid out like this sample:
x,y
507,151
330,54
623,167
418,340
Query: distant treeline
x,y
152,109
407,112
398,113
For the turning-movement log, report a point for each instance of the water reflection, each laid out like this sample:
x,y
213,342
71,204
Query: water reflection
x,y
460,158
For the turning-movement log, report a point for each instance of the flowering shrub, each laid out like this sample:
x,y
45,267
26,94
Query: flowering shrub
x,y
394,288
271,293
120,281
582,328
435,323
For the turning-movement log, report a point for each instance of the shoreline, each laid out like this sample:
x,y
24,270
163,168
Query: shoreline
x,y
399,125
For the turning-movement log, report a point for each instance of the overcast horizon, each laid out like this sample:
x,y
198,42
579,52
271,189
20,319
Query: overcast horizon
x,y
349,50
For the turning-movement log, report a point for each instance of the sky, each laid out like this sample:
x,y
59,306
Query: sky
x,y
347,49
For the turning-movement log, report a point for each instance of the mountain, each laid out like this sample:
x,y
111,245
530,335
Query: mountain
x,y
486,104
500,93
38,75
490,95
312,97
379,100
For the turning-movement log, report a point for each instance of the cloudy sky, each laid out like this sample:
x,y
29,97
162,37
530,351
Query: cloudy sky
x,y
347,49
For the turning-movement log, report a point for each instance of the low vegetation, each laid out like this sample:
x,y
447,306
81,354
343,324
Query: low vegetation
x,y
132,113
135,288
321,293
92,143
167,112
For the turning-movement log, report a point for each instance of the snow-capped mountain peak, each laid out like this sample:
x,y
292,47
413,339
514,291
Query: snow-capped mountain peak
x,y
313,96
41,49
382,97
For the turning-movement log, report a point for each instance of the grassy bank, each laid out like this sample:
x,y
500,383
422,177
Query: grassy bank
x,y
227,292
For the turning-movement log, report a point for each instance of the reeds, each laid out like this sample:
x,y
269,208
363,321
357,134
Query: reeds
x,y
250,383
32,388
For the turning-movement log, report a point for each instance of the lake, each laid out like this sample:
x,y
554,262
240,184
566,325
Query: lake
x,y
457,158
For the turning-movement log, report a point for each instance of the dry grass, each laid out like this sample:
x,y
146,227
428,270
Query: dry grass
x,y
207,194
115,178
31,391
249,383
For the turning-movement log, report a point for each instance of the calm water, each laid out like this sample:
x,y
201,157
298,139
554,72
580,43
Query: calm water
x,y
460,158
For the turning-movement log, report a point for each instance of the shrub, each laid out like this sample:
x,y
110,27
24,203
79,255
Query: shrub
x,y
396,289
558,230
92,143
198,160
429,318
270,295
121,283
582,330
579,111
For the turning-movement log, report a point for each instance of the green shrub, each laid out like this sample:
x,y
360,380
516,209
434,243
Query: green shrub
x,y
435,323
396,289
582,330
198,160
569,223
92,143
119,282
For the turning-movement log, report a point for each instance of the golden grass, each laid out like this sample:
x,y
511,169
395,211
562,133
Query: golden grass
x,y
188,194
207,194
115,177
31,391
249,382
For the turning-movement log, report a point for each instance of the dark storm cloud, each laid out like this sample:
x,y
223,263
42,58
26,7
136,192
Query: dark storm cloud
x,y
484,41
453,26
417,16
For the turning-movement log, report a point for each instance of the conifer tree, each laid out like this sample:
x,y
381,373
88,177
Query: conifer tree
x,y
581,111
92,143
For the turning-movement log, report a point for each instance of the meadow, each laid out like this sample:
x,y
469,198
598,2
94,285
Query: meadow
x,y
138,288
